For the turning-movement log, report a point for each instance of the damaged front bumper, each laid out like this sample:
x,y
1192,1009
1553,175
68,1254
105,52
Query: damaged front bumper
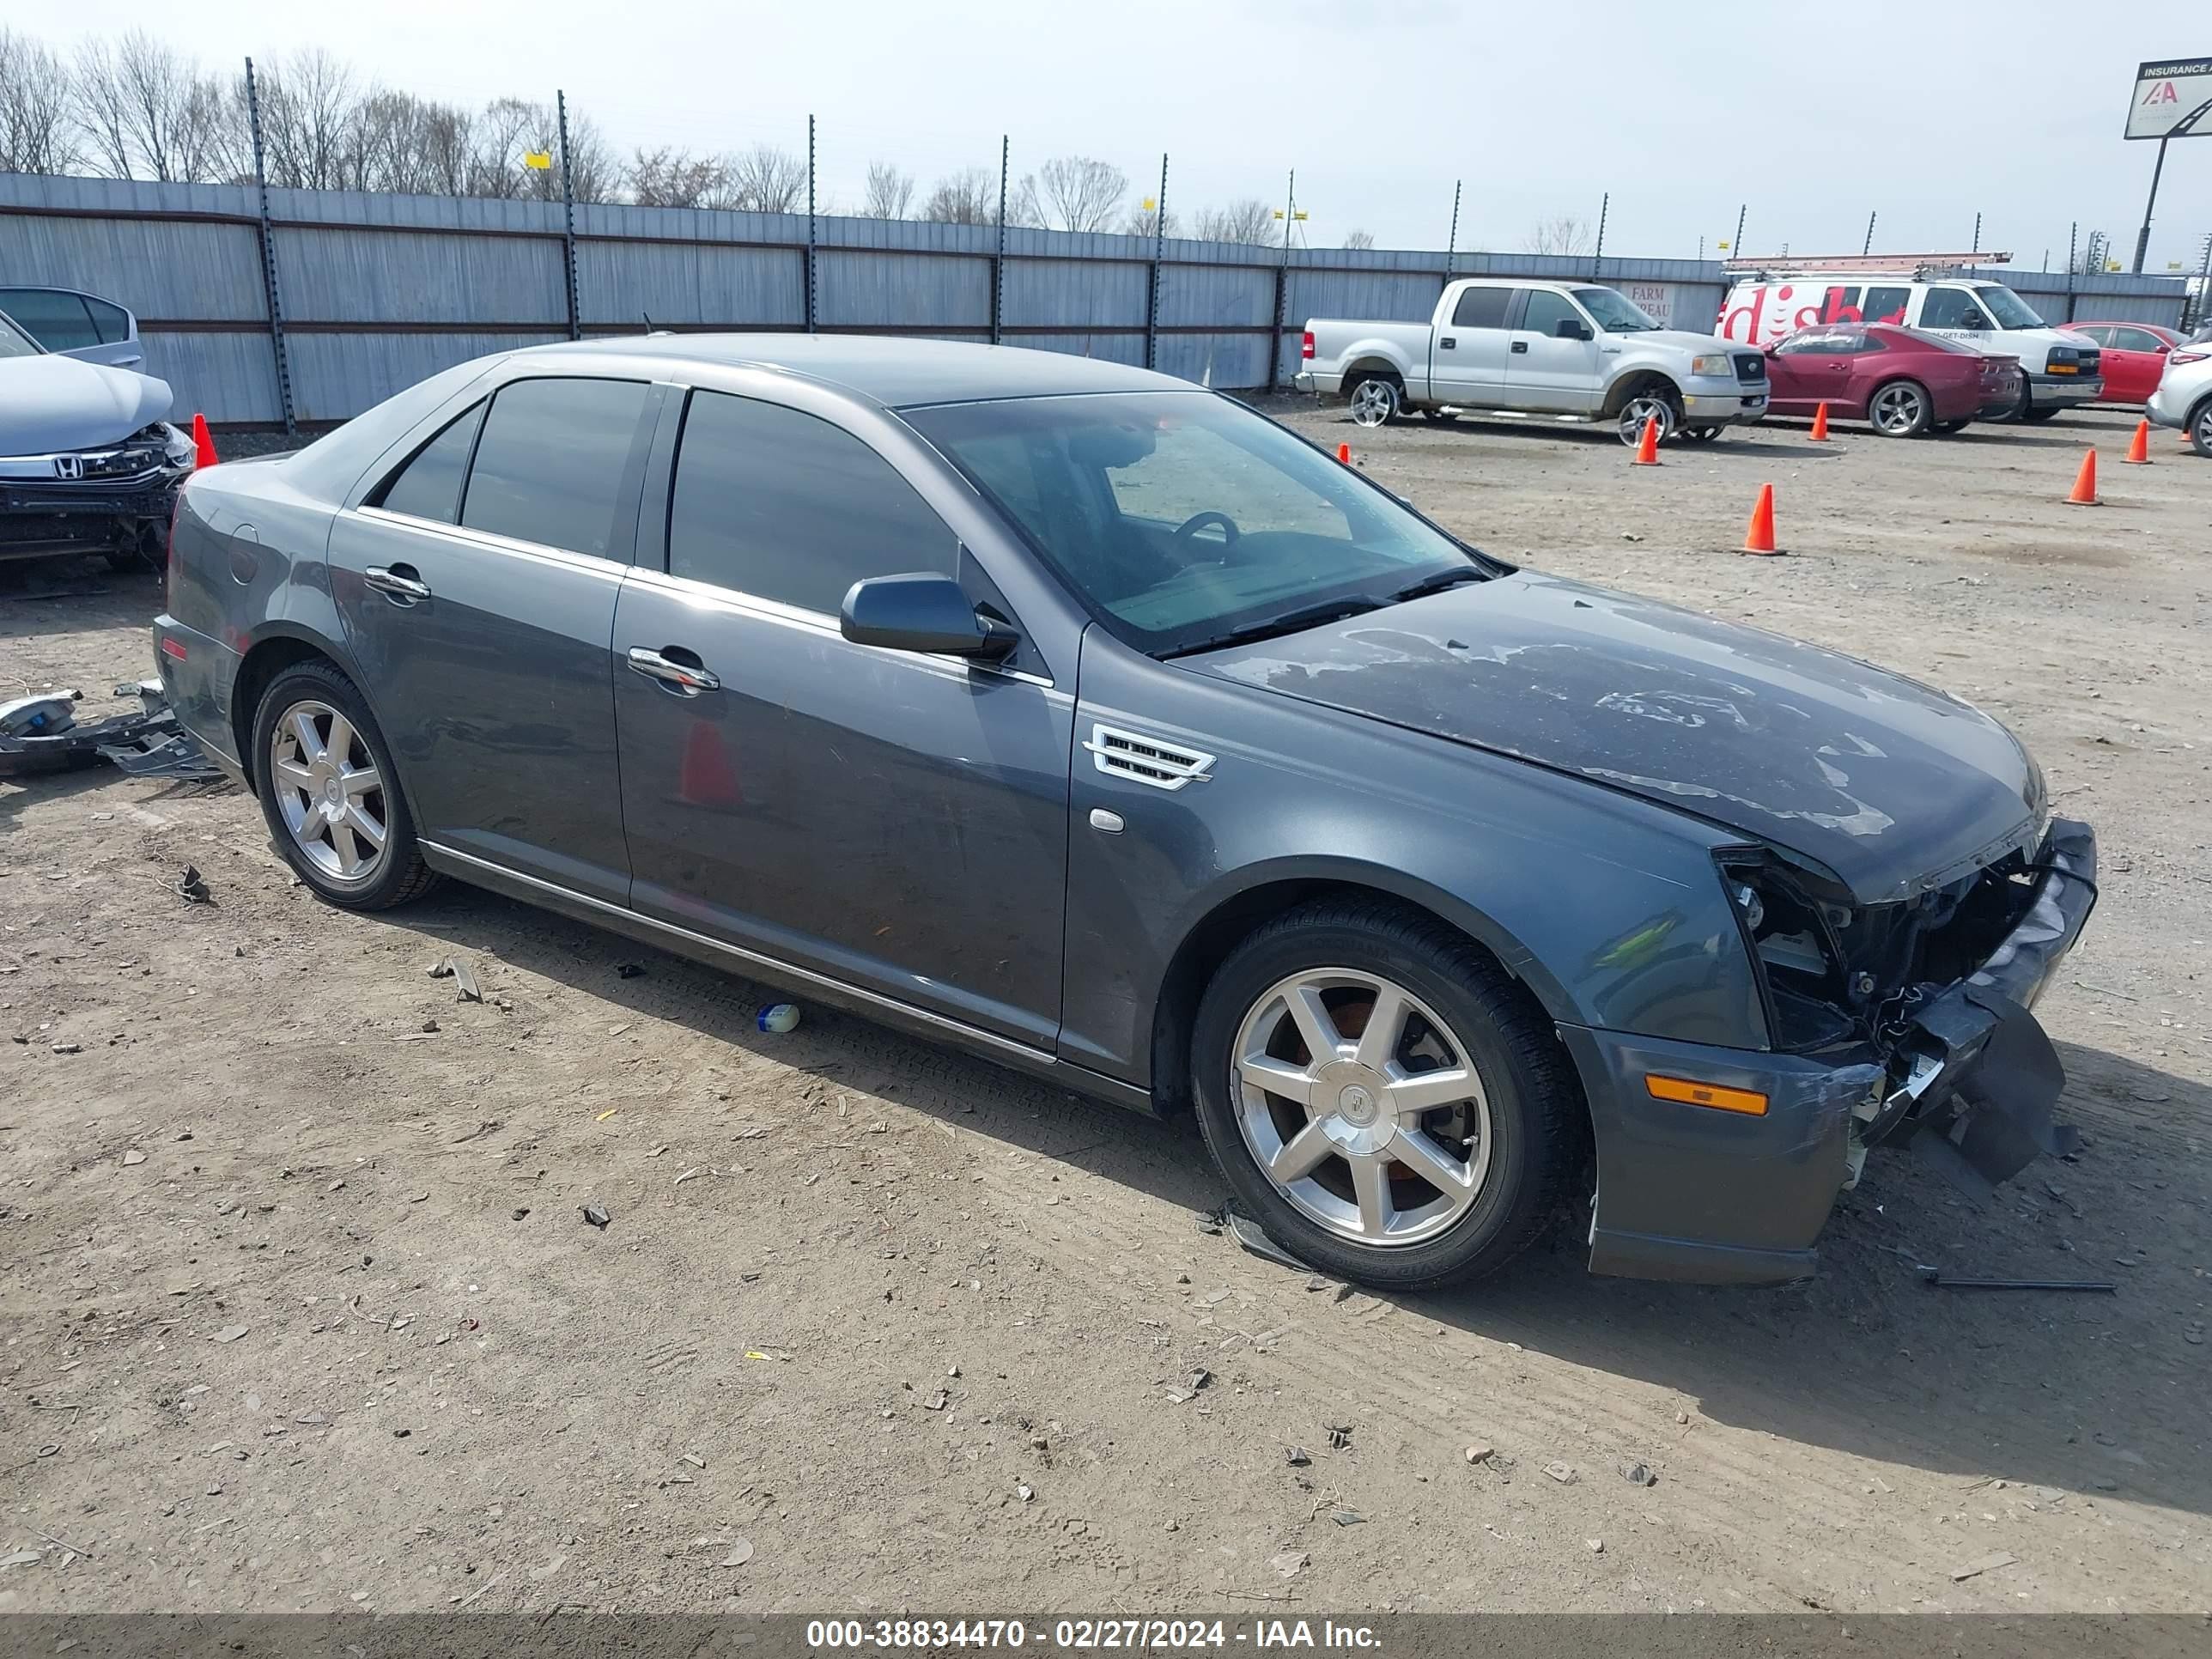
x,y
1719,1197
110,499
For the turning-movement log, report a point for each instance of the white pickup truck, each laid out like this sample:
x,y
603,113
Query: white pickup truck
x,y
1536,350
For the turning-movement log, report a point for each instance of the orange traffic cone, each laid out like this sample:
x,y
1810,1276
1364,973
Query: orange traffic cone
x,y
2085,483
1344,453
1819,425
1759,537
2139,447
202,445
1647,446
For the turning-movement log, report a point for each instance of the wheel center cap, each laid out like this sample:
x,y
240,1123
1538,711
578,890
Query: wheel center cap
x,y
1350,1101
1356,1104
334,797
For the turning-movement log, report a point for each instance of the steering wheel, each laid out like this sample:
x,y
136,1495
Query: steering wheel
x,y
1198,521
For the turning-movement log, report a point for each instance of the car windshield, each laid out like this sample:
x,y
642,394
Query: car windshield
x,y
1187,521
2009,308
13,343
1615,312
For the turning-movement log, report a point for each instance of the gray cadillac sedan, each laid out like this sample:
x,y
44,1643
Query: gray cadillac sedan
x,y
1070,714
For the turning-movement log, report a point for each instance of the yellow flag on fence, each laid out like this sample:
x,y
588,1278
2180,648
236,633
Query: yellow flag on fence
x,y
540,159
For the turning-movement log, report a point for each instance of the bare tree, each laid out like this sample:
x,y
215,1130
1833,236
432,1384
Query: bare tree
x,y
1145,222
965,197
147,111
1564,233
1247,220
1359,239
766,180
37,133
889,194
1075,192
676,178
312,136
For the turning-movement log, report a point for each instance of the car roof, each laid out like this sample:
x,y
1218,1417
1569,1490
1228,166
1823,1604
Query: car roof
x,y
897,373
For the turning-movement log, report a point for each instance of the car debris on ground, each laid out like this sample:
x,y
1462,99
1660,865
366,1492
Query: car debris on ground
x,y
42,733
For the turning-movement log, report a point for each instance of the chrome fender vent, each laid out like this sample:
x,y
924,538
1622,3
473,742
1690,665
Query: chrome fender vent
x,y
1146,760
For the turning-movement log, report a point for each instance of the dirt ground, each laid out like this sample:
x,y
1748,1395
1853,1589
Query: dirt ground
x,y
300,1310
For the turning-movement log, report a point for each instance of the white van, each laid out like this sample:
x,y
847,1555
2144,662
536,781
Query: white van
x,y
2059,369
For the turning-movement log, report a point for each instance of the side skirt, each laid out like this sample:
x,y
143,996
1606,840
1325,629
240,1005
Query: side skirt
x,y
716,953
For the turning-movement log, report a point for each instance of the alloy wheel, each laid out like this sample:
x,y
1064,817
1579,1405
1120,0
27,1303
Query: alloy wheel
x,y
329,791
1645,406
1373,403
1899,410
1361,1106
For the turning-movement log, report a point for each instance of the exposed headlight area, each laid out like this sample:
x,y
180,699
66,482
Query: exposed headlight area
x,y
1713,362
1835,973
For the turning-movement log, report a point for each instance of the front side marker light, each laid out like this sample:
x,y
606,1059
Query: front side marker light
x,y
1687,1092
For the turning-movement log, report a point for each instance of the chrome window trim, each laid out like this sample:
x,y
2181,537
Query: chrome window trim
x,y
772,967
819,621
490,541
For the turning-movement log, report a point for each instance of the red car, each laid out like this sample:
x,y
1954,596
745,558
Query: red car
x,y
2135,356
1904,381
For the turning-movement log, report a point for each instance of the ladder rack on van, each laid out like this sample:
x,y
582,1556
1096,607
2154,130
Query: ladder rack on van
x,y
1918,267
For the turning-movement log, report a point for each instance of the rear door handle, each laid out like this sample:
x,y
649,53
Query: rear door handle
x,y
1520,348
1448,342
686,679
399,583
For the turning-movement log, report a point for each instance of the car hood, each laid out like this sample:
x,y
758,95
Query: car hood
x,y
1682,340
52,402
1889,784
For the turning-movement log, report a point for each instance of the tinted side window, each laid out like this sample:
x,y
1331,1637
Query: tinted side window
x,y
1481,307
56,320
2133,339
429,485
778,504
1546,311
113,321
1885,304
1951,307
549,464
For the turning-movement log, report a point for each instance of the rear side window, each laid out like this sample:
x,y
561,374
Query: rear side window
x,y
1481,307
429,486
550,464
56,320
779,505
2133,339
113,321
1885,304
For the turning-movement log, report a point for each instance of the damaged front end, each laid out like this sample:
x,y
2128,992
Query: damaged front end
x,y
1935,988
111,498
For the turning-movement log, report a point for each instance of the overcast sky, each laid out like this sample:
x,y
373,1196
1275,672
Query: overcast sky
x,y
1812,115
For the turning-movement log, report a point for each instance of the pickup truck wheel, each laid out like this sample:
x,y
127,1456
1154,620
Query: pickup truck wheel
x,y
1654,403
330,794
1440,417
1704,434
1383,1096
1901,409
1375,401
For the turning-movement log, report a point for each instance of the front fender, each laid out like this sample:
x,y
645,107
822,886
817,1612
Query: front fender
x,y
1609,908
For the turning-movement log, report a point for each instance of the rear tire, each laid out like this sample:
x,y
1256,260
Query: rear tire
x,y
2200,428
1440,417
1901,409
1465,1183
330,793
2040,415
1376,400
1703,434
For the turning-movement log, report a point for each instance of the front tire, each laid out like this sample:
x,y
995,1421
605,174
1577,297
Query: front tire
x,y
1901,409
2200,428
1383,1096
1656,402
1946,428
2040,415
1375,401
330,793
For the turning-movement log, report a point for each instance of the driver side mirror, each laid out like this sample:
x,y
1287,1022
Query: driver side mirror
x,y
921,612
1569,328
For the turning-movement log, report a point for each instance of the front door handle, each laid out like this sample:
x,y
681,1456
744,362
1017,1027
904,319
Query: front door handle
x,y
1520,348
399,583
685,679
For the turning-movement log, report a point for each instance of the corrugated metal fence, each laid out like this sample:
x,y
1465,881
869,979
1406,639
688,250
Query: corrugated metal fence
x,y
376,292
